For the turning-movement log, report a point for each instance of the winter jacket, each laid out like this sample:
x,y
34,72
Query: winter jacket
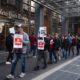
x,y
9,42
56,43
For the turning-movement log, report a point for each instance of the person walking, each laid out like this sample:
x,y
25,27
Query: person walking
x,y
41,54
51,51
19,54
9,47
33,44
73,45
70,43
78,45
65,46
57,46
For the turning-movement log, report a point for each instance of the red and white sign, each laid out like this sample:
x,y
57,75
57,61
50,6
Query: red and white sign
x,y
41,44
17,43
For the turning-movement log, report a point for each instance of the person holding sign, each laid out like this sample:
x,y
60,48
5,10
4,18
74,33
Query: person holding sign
x,y
41,53
21,39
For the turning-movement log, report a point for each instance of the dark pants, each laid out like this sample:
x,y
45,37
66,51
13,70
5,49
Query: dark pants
x,y
73,49
52,53
10,56
65,53
41,56
15,60
69,50
78,49
33,49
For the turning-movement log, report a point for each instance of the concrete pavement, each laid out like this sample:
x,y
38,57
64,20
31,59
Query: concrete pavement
x,y
70,71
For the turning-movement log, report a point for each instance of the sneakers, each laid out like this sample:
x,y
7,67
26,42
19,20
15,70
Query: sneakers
x,y
22,75
10,76
7,62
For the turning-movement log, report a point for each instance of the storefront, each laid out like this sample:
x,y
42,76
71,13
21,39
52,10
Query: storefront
x,y
7,20
3,21
6,23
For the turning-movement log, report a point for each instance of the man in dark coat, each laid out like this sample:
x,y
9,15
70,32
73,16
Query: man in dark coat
x,y
41,55
33,43
9,46
65,46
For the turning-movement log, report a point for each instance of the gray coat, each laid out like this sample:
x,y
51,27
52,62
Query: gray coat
x,y
26,42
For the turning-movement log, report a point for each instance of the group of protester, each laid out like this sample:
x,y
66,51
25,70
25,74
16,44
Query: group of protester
x,y
57,47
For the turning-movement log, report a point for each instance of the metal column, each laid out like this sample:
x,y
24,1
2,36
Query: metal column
x,y
65,25
72,28
65,22
39,16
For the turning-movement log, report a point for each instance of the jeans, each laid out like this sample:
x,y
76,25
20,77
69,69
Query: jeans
x,y
51,52
15,60
69,50
78,49
10,56
33,49
41,56
65,53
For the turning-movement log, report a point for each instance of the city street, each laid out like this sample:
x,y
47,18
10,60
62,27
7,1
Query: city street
x,y
42,37
63,70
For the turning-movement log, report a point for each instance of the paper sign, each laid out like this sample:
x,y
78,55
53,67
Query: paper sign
x,y
1,27
41,44
18,41
12,30
42,32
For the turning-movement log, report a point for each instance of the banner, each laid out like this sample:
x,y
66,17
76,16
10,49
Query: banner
x,y
41,44
17,42
42,32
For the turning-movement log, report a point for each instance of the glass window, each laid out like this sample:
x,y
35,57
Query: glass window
x,y
32,6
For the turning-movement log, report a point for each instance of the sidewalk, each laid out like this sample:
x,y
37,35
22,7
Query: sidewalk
x,y
3,56
30,64
5,69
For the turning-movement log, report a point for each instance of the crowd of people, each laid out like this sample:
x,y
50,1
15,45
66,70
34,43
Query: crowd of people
x,y
57,47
